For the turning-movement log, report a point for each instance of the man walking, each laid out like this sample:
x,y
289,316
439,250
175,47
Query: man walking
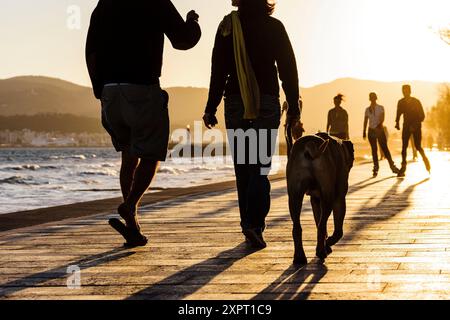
x,y
337,123
124,52
413,116
374,117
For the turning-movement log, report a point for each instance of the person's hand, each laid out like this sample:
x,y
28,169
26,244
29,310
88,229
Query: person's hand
x,y
364,136
294,124
210,120
397,126
192,15
297,130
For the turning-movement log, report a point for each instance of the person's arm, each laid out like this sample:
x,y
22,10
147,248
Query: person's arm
x,y
383,116
92,44
219,76
366,121
183,35
287,68
347,130
329,122
421,111
399,114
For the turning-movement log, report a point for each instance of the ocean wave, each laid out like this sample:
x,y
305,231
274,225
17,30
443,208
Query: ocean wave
x,y
105,172
30,167
108,165
90,182
170,170
19,180
76,156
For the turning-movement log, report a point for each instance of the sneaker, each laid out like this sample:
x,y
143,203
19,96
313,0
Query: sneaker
x,y
133,237
255,238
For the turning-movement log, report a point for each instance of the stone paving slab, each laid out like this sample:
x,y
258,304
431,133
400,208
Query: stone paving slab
x,y
396,246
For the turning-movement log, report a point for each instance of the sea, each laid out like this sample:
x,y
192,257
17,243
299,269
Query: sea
x,y
32,178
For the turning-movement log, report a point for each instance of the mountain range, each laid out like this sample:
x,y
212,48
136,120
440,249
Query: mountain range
x,y
31,95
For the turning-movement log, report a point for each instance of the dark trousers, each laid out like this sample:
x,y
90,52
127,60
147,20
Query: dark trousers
x,y
252,182
341,135
254,196
416,133
378,137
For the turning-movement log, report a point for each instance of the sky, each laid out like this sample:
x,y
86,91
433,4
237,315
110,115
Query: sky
x,y
387,40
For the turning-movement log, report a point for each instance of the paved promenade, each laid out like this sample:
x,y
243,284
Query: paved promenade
x,y
396,246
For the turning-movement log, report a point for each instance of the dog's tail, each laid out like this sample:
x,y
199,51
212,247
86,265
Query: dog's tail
x,y
313,151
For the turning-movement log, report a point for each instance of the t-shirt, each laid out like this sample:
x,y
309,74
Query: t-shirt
x,y
375,116
126,39
412,111
338,121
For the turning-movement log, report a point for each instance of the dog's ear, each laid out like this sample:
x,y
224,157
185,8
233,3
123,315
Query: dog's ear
x,y
313,152
323,147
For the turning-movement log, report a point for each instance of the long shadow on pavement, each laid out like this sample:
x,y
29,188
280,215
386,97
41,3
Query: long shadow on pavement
x,y
291,284
191,279
40,278
295,283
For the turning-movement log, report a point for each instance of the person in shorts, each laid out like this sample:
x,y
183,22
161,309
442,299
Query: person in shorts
x,y
124,52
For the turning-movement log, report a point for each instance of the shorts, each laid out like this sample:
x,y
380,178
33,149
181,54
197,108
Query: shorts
x,y
137,119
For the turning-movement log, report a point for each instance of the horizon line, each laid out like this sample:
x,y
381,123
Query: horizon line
x,y
201,87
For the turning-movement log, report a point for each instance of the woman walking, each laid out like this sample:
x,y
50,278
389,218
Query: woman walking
x,y
337,123
251,49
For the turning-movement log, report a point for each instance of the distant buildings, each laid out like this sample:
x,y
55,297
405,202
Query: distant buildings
x,y
28,138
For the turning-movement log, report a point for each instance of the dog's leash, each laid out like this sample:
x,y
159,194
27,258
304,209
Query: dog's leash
x,y
288,128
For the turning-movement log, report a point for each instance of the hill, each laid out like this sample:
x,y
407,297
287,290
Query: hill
x,y
43,122
34,95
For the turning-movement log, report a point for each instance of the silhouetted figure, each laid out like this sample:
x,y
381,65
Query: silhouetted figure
x,y
374,117
413,115
249,46
386,133
414,149
124,53
337,123
430,142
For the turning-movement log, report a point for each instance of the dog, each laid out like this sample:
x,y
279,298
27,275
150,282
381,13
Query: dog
x,y
319,166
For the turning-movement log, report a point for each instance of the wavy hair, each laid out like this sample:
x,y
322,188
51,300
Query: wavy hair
x,y
257,7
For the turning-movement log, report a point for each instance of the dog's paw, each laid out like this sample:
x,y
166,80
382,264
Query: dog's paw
x,y
322,253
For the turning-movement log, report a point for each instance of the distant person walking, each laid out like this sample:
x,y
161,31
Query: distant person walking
x,y
374,117
337,123
413,147
124,53
386,133
413,116
251,49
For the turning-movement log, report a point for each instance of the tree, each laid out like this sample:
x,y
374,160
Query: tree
x,y
445,35
438,120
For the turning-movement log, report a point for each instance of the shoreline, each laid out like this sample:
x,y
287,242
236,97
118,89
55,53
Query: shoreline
x,y
29,218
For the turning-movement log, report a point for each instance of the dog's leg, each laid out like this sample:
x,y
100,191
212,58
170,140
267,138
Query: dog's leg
x,y
315,204
317,210
295,208
339,210
326,209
